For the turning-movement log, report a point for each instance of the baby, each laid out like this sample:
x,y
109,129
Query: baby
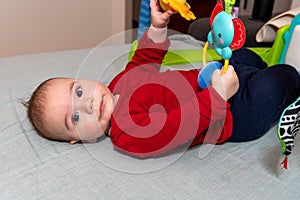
x,y
63,107
148,113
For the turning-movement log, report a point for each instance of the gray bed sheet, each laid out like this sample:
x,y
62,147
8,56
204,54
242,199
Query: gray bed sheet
x,y
35,168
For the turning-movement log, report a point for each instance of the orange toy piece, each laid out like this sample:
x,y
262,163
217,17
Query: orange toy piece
x,y
180,6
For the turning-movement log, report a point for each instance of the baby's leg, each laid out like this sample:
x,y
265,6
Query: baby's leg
x,y
242,58
261,98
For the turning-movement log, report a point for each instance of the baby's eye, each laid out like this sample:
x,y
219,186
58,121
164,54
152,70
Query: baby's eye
x,y
79,91
219,35
75,118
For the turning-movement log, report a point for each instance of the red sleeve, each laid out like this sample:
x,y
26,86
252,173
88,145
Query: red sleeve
x,y
149,55
192,123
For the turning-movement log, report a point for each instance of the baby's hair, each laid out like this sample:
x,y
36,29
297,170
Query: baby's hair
x,y
36,107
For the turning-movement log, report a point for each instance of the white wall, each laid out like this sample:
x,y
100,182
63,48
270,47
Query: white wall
x,y
29,26
295,3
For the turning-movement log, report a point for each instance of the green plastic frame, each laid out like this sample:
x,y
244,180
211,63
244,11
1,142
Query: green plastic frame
x,y
271,55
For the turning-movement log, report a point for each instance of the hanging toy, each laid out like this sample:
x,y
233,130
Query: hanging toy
x,y
228,5
288,128
226,33
180,6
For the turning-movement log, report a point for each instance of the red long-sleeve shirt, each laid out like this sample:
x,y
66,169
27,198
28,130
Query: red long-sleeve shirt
x,y
159,111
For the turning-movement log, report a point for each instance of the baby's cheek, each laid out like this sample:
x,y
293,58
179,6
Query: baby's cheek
x,y
89,129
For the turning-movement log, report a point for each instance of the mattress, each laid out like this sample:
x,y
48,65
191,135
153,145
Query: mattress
x,y
35,168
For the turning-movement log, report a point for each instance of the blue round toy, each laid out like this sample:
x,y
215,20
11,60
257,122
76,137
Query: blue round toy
x,y
204,78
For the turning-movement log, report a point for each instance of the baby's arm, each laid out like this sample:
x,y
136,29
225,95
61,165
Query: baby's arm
x,y
159,22
154,44
227,84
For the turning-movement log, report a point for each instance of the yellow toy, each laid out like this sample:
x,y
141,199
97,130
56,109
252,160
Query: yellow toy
x,y
180,6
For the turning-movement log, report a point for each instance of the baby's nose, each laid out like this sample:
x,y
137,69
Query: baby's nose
x,y
87,105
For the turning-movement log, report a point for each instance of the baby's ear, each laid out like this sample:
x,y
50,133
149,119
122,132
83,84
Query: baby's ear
x,y
74,141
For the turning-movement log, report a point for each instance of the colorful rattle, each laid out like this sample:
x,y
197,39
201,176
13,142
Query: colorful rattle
x,y
180,6
226,33
288,128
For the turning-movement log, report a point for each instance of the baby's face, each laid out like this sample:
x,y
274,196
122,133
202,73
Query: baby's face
x,y
78,109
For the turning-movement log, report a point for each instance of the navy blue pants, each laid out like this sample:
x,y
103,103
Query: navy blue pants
x,y
263,94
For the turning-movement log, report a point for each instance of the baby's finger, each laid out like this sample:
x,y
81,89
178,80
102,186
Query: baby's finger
x,y
167,14
217,71
229,70
154,5
230,67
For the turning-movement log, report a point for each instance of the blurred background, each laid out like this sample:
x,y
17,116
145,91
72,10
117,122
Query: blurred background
x,y
33,26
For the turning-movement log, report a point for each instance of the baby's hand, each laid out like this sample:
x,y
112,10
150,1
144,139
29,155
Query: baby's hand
x,y
227,84
159,19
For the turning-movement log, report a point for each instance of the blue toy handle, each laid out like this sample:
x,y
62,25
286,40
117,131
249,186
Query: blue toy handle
x,y
205,75
144,18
